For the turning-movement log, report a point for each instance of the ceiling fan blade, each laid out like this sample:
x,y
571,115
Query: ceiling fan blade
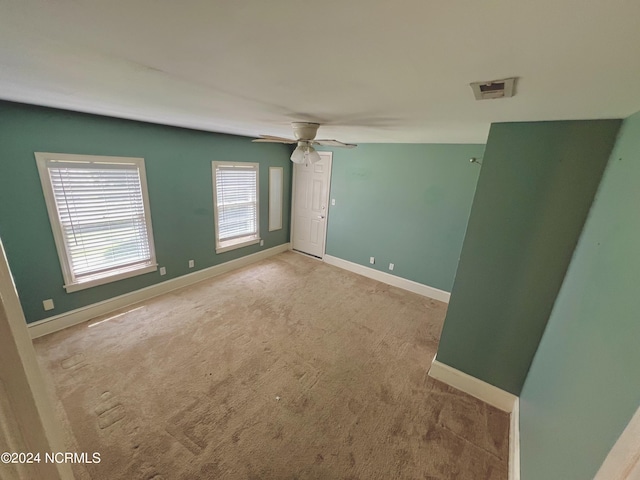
x,y
277,139
334,143
271,140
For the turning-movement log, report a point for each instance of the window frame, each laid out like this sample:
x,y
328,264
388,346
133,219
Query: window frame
x,y
71,283
276,200
233,244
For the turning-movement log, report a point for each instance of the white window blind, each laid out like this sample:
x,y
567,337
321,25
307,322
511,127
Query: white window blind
x,y
99,211
236,204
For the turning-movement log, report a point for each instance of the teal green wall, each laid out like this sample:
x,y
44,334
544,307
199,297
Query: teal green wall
x,y
584,383
178,166
537,183
406,204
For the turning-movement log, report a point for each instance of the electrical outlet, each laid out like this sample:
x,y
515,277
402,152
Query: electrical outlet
x,y
48,304
333,202
372,260
192,264
163,271
391,265
262,243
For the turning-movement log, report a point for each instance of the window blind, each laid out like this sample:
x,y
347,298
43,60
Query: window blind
x,y
236,201
102,217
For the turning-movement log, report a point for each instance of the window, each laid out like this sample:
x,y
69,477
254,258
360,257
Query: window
x,y
99,213
276,186
235,199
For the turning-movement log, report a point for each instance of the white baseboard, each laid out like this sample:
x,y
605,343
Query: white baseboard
x,y
492,395
477,388
73,317
389,279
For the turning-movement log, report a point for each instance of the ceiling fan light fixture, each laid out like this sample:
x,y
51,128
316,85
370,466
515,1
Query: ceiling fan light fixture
x,y
298,155
305,153
311,155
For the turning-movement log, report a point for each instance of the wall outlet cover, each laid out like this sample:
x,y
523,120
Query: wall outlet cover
x,y
163,271
191,264
372,260
48,304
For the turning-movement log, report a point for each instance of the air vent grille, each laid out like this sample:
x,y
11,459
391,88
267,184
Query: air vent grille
x,y
494,89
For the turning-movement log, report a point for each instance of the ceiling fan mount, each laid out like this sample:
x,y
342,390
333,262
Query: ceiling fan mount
x,y
305,130
305,134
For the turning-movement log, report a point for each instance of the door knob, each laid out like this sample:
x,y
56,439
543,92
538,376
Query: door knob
x,y
320,216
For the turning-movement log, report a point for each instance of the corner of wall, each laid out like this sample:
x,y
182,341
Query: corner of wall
x,y
490,394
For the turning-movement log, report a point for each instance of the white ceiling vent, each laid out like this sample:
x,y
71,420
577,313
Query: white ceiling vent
x,y
494,89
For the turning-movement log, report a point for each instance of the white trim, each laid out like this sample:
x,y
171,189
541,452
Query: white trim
x,y
276,195
75,287
232,244
514,442
228,245
27,419
326,200
389,279
501,399
71,283
473,386
623,460
67,319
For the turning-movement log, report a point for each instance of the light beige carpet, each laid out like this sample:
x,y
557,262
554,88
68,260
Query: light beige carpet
x,y
287,369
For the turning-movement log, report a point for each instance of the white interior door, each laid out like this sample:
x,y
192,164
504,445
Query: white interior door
x,y
310,205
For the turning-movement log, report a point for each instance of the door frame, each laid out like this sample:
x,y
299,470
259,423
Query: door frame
x,y
623,460
27,419
329,155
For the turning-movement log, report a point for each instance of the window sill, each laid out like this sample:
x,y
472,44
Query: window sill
x,y
236,243
121,275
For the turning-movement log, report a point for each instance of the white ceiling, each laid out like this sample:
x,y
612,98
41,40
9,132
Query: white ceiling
x,y
369,70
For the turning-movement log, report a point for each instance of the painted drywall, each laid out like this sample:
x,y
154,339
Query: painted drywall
x,y
583,386
537,183
178,167
406,204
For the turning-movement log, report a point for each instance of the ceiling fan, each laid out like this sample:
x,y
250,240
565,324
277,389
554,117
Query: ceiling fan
x,y
305,134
